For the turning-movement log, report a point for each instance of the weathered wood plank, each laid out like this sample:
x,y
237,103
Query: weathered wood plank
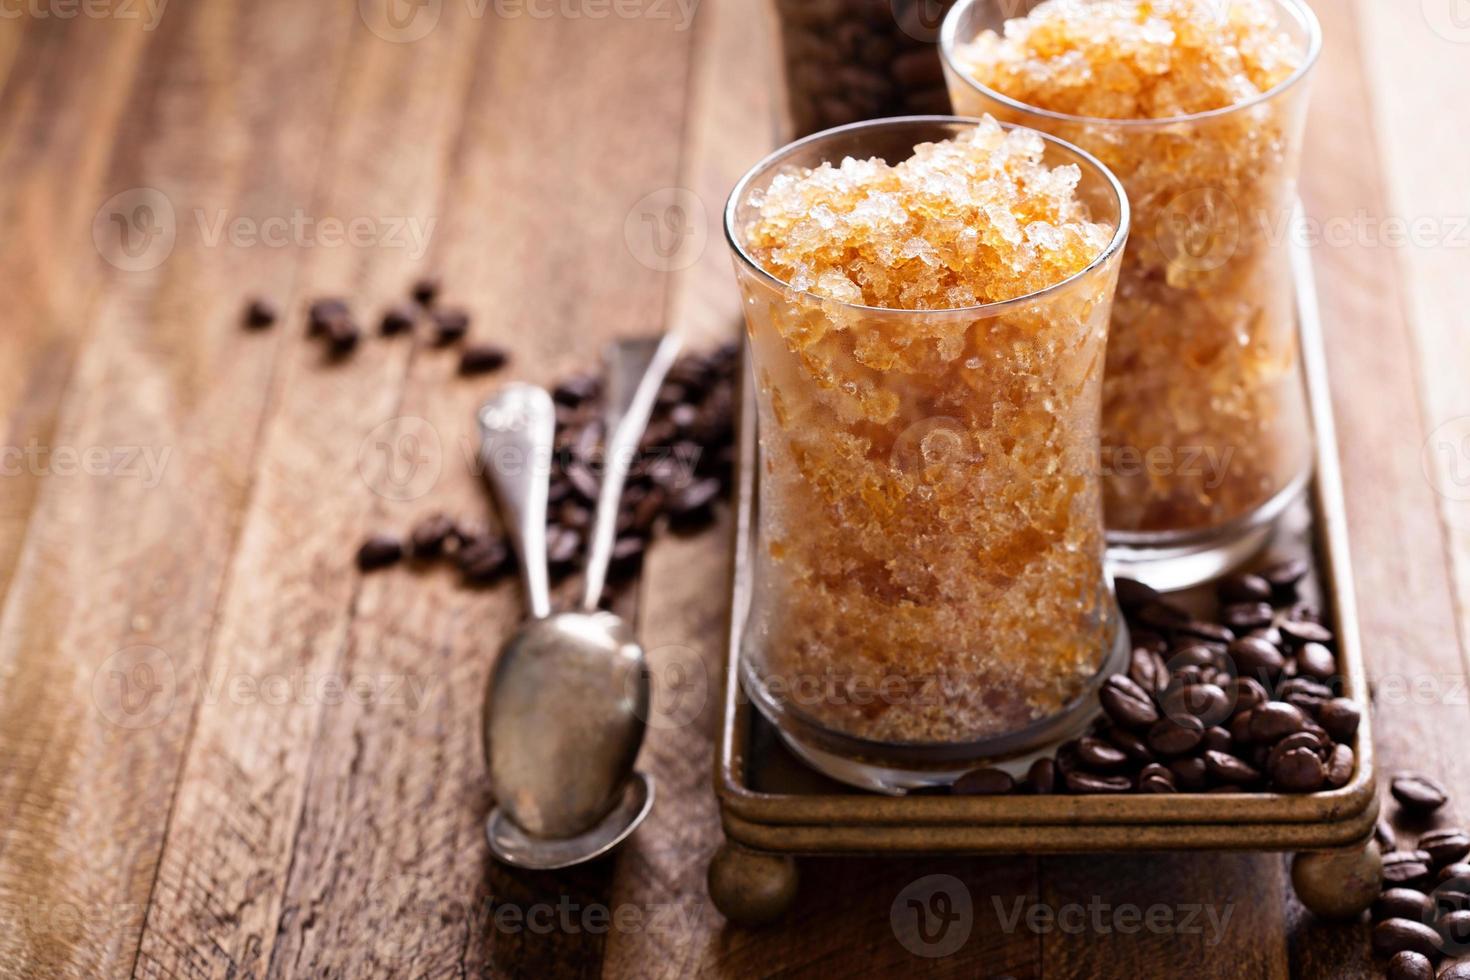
x,y
132,554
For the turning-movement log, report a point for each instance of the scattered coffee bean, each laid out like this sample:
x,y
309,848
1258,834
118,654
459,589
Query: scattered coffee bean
x,y
482,358
484,560
1406,869
342,337
426,289
430,534
985,782
379,551
323,312
1417,793
1393,936
1445,846
1403,903
450,326
260,313
1409,965
397,319
1041,778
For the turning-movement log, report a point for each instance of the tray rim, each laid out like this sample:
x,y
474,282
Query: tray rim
x,y
843,823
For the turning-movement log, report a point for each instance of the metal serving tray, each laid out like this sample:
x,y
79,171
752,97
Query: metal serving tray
x,y
772,805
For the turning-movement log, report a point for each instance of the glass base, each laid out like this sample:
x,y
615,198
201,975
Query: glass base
x,y
1170,561
896,769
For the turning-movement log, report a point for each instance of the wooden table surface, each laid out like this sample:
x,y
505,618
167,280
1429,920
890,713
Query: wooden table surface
x,y
225,753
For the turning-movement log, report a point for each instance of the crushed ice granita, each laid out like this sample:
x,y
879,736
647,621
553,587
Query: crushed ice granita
x,y
929,557
1203,416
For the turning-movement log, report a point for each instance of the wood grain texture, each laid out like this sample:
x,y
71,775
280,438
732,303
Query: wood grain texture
x,y
253,817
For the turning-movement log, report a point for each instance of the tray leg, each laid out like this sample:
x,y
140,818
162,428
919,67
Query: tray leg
x,y
1338,884
751,888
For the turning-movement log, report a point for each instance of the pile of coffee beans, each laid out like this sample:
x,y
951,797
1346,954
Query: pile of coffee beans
x,y
1423,913
331,321
1247,701
849,60
685,465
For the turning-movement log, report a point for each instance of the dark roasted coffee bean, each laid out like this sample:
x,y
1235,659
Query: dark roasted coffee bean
x,y
1340,717
984,782
483,559
583,481
430,534
1245,692
482,358
1458,970
1340,766
1243,587
1406,869
1146,669
1454,929
1452,888
1270,634
398,318
1275,720
1417,793
1383,833
627,557
692,505
1256,659
1085,782
379,551
342,337
574,391
260,313
1097,754
1309,704
1296,632
683,417
1207,702
1156,779
1445,846
1392,936
1403,903
563,545
1244,616
1298,740
1134,595
450,326
323,312
1217,739
1306,686
1131,745
426,289
1409,965
1284,576
1163,615
1316,661
1240,726
1126,703
1231,769
1176,736
1298,771
1199,629
1041,778
573,515
1190,773
1193,655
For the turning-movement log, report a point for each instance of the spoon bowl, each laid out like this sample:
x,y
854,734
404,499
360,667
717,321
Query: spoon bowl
x,y
513,846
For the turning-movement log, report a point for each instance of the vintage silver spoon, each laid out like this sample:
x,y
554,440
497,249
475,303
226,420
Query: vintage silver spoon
x,y
568,701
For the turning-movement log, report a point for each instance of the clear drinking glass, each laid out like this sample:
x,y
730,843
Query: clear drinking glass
x,y
1205,436
928,590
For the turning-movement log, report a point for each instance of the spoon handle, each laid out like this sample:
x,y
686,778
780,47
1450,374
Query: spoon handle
x,y
635,370
517,429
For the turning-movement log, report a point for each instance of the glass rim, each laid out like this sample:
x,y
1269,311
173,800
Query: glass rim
x,y
737,195
1297,8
